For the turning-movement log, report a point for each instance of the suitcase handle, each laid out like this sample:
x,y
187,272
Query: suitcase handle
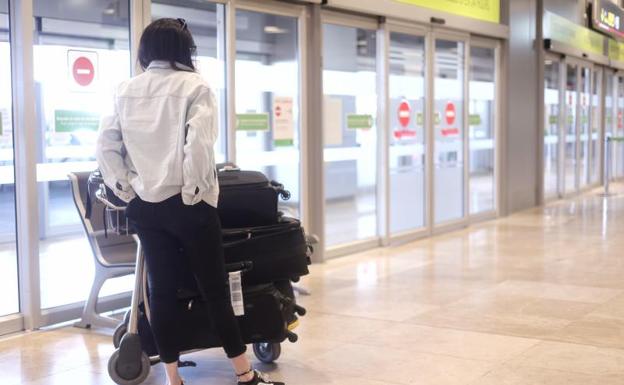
x,y
285,194
243,267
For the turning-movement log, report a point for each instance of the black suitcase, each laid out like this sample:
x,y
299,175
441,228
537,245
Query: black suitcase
x,y
278,252
247,198
268,312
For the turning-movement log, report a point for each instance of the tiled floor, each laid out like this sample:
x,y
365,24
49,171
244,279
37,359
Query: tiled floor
x,y
535,298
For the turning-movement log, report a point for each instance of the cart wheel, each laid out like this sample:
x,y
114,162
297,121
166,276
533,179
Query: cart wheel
x,y
115,375
267,352
120,331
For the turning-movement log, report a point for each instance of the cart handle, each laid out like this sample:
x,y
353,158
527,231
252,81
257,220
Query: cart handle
x,y
102,198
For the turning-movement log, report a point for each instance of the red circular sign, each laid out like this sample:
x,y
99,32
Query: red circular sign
x,y
405,113
278,111
83,71
450,113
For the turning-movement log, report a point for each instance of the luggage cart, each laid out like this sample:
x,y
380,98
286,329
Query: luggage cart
x,y
129,364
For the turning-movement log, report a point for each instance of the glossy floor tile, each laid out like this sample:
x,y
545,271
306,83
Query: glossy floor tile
x,y
536,298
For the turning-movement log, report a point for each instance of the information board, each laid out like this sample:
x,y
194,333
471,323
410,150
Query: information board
x,y
608,17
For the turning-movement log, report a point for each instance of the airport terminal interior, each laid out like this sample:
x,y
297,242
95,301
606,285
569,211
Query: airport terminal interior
x,y
457,166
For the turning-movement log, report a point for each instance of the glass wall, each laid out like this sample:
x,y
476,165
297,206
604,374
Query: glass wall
x,y
9,300
81,53
482,129
596,131
609,111
267,98
349,128
584,134
618,131
407,132
551,129
206,21
570,129
448,158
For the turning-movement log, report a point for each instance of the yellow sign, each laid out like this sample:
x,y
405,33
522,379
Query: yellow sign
x,y
560,29
616,50
486,10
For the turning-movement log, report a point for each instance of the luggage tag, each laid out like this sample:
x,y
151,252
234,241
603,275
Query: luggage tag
x,y
236,293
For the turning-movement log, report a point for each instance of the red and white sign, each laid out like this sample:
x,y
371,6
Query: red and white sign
x,y
405,113
83,67
450,113
283,120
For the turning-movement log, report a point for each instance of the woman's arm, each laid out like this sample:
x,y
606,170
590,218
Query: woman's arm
x,y
110,155
201,135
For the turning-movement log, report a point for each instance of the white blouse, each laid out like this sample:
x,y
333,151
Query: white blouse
x,y
159,140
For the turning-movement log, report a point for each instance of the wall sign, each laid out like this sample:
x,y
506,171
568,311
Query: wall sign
x,y
70,121
486,10
608,17
562,30
283,124
616,50
359,122
83,69
252,122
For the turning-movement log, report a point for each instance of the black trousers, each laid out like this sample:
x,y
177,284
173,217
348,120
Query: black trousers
x,y
166,228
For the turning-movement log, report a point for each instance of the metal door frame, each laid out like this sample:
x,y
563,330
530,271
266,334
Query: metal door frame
x,y
443,34
495,45
601,71
580,65
277,8
614,73
559,60
395,26
372,24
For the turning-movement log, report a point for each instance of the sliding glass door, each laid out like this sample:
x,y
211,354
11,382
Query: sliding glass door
x,y
9,298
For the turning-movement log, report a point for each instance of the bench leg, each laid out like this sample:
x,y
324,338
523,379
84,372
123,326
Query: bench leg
x,y
90,316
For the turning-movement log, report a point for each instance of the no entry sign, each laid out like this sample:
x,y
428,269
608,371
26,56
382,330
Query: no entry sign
x,y
405,113
83,69
450,113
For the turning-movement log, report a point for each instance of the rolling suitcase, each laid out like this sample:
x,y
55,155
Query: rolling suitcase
x,y
278,252
247,198
268,312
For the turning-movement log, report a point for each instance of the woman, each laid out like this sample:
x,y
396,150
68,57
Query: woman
x,y
156,151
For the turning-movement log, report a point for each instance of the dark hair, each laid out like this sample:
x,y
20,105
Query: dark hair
x,y
167,40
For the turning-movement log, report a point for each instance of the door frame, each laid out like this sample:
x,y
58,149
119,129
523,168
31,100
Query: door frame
x,y
560,61
444,34
580,65
299,12
495,45
600,94
396,26
370,23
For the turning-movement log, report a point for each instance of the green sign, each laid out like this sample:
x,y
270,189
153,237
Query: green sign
x,y
553,119
359,122
420,119
284,142
474,120
616,50
486,10
252,122
560,29
70,121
